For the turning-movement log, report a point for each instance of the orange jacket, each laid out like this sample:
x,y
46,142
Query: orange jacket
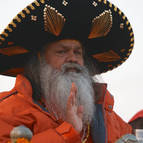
x,y
17,108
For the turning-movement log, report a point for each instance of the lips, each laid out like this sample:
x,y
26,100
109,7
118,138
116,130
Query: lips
x,y
72,69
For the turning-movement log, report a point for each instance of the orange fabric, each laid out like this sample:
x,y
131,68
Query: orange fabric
x,y
116,127
19,109
139,114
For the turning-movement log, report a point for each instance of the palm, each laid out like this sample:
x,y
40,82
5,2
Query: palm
x,y
74,112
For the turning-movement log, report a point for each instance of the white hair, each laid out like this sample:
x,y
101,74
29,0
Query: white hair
x,y
56,85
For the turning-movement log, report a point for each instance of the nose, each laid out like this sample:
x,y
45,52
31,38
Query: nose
x,y
72,57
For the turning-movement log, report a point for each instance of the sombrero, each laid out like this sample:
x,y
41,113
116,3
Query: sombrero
x,y
100,25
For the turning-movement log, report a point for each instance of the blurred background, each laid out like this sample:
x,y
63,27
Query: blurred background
x,y
126,82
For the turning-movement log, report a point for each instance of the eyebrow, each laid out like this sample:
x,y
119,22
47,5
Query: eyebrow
x,y
66,47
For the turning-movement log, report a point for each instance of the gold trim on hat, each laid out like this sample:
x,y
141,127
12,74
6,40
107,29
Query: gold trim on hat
x,y
53,20
17,19
1,38
31,7
127,22
101,25
42,1
13,50
5,34
37,3
105,1
110,4
22,14
27,10
110,56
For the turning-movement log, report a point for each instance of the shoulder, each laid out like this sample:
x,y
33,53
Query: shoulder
x,y
12,102
108,101
7,100
104,96
6,94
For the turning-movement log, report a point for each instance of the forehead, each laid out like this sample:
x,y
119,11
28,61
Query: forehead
x,y
65,43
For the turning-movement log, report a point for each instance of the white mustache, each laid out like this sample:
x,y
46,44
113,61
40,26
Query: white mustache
x,y
73,67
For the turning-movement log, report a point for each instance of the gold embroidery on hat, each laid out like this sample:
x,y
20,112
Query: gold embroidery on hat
x,y
5,34
94,4
17,19
131,34
105,1
124,17
53,20
128,54
37,3
127,22
9,29
115,8
132,45
13,24
1,38
13,50
65,3
130,49
101,25
33,18
42,1
120,12
132,39
129,28
122,25
110,4
27,10
122,50
99,0
32,7
109,56
22,14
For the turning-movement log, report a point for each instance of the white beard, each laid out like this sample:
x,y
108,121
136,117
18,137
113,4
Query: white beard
x,y
56,87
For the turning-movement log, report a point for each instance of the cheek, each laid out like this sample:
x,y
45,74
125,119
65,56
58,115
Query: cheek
x,y
58,63
55,62
81,62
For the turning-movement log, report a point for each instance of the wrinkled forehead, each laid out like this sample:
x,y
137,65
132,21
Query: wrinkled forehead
x,y
65,43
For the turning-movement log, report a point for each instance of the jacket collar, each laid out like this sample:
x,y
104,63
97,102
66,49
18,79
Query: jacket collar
x,y
23,86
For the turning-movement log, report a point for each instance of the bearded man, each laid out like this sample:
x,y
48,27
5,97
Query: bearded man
x,y
54,49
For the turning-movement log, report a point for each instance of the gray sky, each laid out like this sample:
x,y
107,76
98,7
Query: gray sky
x,y
125,82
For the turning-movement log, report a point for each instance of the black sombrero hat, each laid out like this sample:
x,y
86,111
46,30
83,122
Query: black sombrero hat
x,y
100,25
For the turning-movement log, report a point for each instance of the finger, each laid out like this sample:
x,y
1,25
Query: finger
x,y
70,101
74,88
72,97
74,92
80,111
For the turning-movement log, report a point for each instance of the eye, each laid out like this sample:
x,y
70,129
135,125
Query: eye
x,y
78,52
61,52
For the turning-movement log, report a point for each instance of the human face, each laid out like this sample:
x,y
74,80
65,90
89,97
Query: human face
x,y
64,51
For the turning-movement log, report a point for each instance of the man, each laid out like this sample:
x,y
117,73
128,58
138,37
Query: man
x,y
54,48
